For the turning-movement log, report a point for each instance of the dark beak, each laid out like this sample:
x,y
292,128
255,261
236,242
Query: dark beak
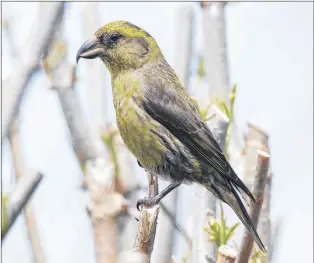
x,y
90,49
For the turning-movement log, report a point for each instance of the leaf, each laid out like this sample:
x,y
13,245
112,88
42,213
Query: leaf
x,y
223,107
201,67
108,139
4,216
55,56
233,96
222,225
230,231
228,138
210,117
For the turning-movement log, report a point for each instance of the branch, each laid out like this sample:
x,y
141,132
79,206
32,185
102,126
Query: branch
x,y
30,219
145,237
14,90
257,139
105,203
203,250
226,254
274,239
215,53
15,202
255,208
216,72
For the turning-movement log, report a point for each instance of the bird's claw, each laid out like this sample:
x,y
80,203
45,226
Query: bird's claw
x,y
146,202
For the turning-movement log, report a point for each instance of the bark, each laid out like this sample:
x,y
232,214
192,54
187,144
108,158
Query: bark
x,y
216,74
125,181
260,178
13,91
31,223
145,237
105,203
215,49
94,77
226,255
203,250
257,139
274,239
15,202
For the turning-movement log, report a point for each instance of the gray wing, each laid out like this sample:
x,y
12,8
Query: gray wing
x,y
172,107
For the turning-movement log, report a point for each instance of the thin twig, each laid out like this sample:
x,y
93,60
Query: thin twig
x,y
18,199
145,237
260,179
30,219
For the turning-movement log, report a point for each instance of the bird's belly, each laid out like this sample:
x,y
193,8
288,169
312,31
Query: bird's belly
x,y
137,131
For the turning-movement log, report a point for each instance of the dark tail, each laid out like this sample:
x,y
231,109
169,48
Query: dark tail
x,y
233,200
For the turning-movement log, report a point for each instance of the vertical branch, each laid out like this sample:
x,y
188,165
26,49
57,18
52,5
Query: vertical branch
x,y
93,79
105,204
258,139
274,239
145,237
166,231
255,208
203,250
216,72
125,180
215,52
183,44
30,219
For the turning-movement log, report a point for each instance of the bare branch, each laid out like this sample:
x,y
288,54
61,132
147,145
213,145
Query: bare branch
x,y
274,239
260,179
215,54
145,237
14,89
105,203
30,219
18,199
216,74
257,139
226,254
203,250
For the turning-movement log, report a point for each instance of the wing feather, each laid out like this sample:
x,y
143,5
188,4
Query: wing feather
x,y
174,109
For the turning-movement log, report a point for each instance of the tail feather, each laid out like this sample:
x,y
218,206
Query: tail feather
x,y
234,201
238,182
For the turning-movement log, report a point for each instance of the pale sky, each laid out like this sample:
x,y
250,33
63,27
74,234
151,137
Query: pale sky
x,y
270,49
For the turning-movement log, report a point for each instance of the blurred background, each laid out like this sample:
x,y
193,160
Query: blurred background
x,y
58,120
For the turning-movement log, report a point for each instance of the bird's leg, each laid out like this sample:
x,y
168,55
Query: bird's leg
x,y
156,199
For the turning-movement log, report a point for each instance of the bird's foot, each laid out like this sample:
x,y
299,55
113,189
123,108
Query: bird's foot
x,y
146,202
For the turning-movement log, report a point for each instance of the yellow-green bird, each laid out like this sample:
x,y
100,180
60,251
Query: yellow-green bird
x,y
159,121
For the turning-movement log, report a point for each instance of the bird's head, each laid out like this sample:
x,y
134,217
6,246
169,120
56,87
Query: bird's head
x,y
121,46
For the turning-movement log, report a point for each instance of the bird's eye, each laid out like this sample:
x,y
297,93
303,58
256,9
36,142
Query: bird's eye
x,y
115,37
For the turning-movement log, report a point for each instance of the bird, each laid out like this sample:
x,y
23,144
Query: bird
x,y
158,120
